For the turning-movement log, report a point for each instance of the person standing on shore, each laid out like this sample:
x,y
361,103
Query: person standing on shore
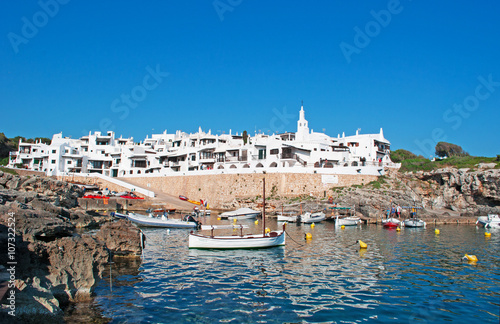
x,y
398,211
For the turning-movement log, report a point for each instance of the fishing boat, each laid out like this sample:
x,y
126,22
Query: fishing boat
x,y
242,241
242,213
316,217
391,222
413,221
162,221
290,217
492,220
347,221
118,215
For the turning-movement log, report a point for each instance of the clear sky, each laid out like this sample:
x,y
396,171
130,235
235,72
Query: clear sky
x,y
424,71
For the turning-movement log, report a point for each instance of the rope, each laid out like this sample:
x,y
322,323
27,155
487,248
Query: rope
x,y
291,238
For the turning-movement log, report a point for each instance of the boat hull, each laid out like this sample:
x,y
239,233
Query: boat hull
x,y
289,219
313,218
348,221
119,215
391,223
414,223
197,241
158,222
490,221
242,213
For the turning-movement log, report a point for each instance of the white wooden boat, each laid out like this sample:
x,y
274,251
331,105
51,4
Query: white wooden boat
x,y
414,222
118,215
492,220
162,221
347,221
290,217
241,241
309,218
242,213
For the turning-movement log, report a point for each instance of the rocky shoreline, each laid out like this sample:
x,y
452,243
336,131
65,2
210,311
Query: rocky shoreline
x,y
52,265
445,195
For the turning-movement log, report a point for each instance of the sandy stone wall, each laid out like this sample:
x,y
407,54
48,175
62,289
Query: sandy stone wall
x,y
223,188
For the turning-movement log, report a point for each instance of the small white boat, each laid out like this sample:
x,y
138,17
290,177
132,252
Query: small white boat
x,y
162,221
414,222
309,218
247,241
290,217
492,220
242,213
119,215
347,221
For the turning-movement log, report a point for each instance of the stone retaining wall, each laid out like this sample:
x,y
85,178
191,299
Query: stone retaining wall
x,y
223,188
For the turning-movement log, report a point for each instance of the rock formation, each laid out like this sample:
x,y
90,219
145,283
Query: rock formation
x,y
55,265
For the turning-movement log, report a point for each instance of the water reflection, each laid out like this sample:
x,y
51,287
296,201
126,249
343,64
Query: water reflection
x,y
401,276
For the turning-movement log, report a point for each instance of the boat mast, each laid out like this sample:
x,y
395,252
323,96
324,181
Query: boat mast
x,y
264,207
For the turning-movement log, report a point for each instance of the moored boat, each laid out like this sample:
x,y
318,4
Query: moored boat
x,y
492,220
391,222
242,213
309,218
290,217
118,215
162,221
347,221
248,241
414,222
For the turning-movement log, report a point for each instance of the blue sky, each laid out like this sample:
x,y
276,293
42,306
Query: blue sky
x,y
424,71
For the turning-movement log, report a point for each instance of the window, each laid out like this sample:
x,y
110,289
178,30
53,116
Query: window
x,y
274,151
53,151
68,162
53,161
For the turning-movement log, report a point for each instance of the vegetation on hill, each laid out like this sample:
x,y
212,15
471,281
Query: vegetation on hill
x,y
456,157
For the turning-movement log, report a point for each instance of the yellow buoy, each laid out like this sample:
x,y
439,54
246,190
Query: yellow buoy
x,y
312,225
218,218
436,231
342,227
470,258
268,230
398,229
308,236
234,220
362,244
256,222
487,234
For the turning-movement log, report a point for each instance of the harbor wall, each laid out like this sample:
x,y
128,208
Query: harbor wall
x,y
224,188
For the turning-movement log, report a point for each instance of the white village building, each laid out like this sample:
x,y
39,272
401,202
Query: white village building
x,y
165,154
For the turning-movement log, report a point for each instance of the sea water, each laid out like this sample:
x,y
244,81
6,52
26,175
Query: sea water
x,y
407,276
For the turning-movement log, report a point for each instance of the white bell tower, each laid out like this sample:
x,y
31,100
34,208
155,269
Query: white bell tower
x,y
302,134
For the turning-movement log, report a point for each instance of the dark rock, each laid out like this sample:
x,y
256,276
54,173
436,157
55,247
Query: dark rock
x,y
122,238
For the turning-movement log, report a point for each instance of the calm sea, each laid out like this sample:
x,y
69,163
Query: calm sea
x,y
412,276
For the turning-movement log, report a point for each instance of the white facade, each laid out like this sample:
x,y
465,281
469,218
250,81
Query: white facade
x,y
199,153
